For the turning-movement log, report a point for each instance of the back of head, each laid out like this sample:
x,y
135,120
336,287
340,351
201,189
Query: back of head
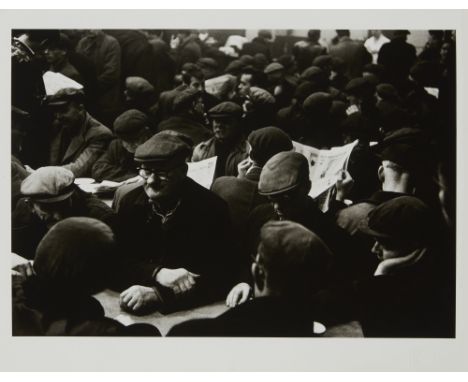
x,y
343,32
295,259
266,142
313,34
265,34
184,100
74,255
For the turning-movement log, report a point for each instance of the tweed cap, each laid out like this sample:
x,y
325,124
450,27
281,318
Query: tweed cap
x,y
283,172
405,218
65,96
260,96
313,74
138,86
49,184
273,67
266,142
235,67
226,110
164,150
130,123
247,59
73,255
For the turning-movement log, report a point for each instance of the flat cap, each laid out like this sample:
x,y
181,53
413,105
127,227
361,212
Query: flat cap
x,y
49,184
226,110
405,218
359,86
283,172
73,255
273,67
185,98
407,147
207,62
386,91
64,96
322,61
313,74
287,246
260,96
318,102
247,59
164,149
260,60
266,142
235,67
304,90
138,86
130,123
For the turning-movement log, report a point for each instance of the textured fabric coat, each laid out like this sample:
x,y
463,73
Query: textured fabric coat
x,y
115,164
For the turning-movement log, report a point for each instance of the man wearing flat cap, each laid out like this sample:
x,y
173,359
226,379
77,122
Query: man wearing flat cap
x,y
173,233
228,143
117,164
290,265
78,140
406,297
50,195
140,94
285,182
53,296
282,87
189,116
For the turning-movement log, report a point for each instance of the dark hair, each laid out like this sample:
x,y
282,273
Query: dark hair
x,y
313,34
343,32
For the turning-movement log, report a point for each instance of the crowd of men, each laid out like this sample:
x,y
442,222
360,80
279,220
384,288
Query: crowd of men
x,y
382,253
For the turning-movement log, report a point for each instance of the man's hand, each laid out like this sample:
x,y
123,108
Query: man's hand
x,y
238,295
179,280
133,180
344,184
24,270
29,169
243,167
352,109
137,298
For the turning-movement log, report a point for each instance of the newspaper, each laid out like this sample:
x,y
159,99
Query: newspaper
x,y
53,82
325,165
202,172
213,85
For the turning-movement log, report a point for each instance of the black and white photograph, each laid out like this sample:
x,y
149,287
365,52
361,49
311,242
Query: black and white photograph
x,y
226,183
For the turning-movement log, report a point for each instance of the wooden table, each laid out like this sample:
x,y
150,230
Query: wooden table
x,y
110,302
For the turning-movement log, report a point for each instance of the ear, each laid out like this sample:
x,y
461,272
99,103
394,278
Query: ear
x,y
259,276
381,174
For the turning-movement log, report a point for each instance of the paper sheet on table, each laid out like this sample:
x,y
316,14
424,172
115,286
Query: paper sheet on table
x,y
213,85
54,82
202,172
325,165
432,91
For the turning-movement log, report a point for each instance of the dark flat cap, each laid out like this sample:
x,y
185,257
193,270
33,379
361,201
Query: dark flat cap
x,y
130,123
359,86
166,150
266,142
387,91
235,67
207,62
185,98
283,172
49,184
74,253
322,61
226,110
288,246
405,218
273,67
260,60
64,96
304,90
318,102
138,86
190,67
247,59
313,74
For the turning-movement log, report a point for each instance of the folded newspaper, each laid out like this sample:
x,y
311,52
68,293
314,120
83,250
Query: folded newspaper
x,y
325,165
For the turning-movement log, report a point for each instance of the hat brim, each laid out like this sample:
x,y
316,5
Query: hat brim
x,y
52,199
277,192
364,228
